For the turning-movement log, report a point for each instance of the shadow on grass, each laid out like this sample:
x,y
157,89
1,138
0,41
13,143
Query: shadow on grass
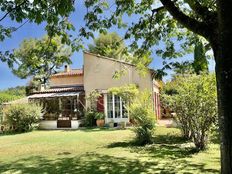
x,y
93,163
170,152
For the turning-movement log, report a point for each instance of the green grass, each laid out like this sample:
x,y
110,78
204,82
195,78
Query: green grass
x,y
103,151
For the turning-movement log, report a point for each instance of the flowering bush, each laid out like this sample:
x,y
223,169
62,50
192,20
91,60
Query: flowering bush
x,y
22,116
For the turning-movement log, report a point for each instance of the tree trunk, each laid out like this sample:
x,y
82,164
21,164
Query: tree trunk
x,y
223,57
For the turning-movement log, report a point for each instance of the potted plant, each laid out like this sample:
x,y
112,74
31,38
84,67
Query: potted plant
x,y
111,124
100,119
122,125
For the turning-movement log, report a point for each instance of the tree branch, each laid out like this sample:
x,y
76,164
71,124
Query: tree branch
x,y
156,10
188,22
200,10
11,10
15,29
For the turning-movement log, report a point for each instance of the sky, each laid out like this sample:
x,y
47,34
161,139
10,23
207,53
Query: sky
x,y
30,30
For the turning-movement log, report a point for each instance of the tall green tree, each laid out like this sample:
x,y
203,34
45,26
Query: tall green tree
x,y
200,63
54,14
109,44
39,58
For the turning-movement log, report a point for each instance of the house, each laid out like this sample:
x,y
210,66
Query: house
x,y
65,100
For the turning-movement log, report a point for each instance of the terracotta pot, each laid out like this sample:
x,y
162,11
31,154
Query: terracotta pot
x,y
100,123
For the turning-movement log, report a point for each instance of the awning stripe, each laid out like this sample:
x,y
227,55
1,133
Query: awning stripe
x,y
50,95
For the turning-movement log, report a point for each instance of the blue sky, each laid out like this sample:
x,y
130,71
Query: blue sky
x,y
30,30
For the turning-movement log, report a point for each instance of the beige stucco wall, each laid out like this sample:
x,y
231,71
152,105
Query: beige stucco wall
x,y
66,80
98,73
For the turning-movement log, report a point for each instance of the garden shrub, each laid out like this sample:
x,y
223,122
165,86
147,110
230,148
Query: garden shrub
x,y
194,101
22,117
141,113
89,120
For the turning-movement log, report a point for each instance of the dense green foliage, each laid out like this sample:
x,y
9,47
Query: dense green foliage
x,y
89,119
40,57
22,116
127,92
194,100
143,118
9,95
99,115
200,63
13,93
109,45
53,13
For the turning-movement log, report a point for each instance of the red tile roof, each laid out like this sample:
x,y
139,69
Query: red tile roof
x,y
56,90
70,73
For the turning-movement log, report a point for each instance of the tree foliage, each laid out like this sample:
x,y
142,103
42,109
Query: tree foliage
x,y
54,13
9,95
200,63
109,45
127,92
12,94
40,57
142,115
194,100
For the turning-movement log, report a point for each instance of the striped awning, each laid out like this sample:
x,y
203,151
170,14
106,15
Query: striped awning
x,y
52,95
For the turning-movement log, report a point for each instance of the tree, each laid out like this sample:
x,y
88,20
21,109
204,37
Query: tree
x,y
200,63
110,45
40,58
54,13
193,98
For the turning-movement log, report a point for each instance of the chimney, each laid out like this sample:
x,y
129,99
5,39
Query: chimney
x,y
42,87
66,68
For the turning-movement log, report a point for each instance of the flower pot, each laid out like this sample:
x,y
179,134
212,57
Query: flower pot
x,y
111,124
100,123
122,125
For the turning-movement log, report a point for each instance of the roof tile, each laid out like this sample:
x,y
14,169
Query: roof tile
x,y
70,73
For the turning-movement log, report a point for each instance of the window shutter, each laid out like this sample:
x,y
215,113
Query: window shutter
x,y
100,103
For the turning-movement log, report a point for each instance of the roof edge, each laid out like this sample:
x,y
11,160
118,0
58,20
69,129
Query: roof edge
x,y
108,58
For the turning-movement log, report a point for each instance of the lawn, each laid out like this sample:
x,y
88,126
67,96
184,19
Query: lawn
x,y
102,151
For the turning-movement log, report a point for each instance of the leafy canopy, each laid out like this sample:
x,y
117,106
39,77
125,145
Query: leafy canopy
x,y
109,45
40,57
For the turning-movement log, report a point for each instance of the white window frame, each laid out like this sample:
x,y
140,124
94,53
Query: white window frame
x,y
117,120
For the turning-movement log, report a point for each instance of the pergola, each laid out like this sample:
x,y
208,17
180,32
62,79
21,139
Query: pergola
x,y
60,105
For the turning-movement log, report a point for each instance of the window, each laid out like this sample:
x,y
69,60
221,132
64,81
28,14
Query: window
x,y
124,111
109,106
116,107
